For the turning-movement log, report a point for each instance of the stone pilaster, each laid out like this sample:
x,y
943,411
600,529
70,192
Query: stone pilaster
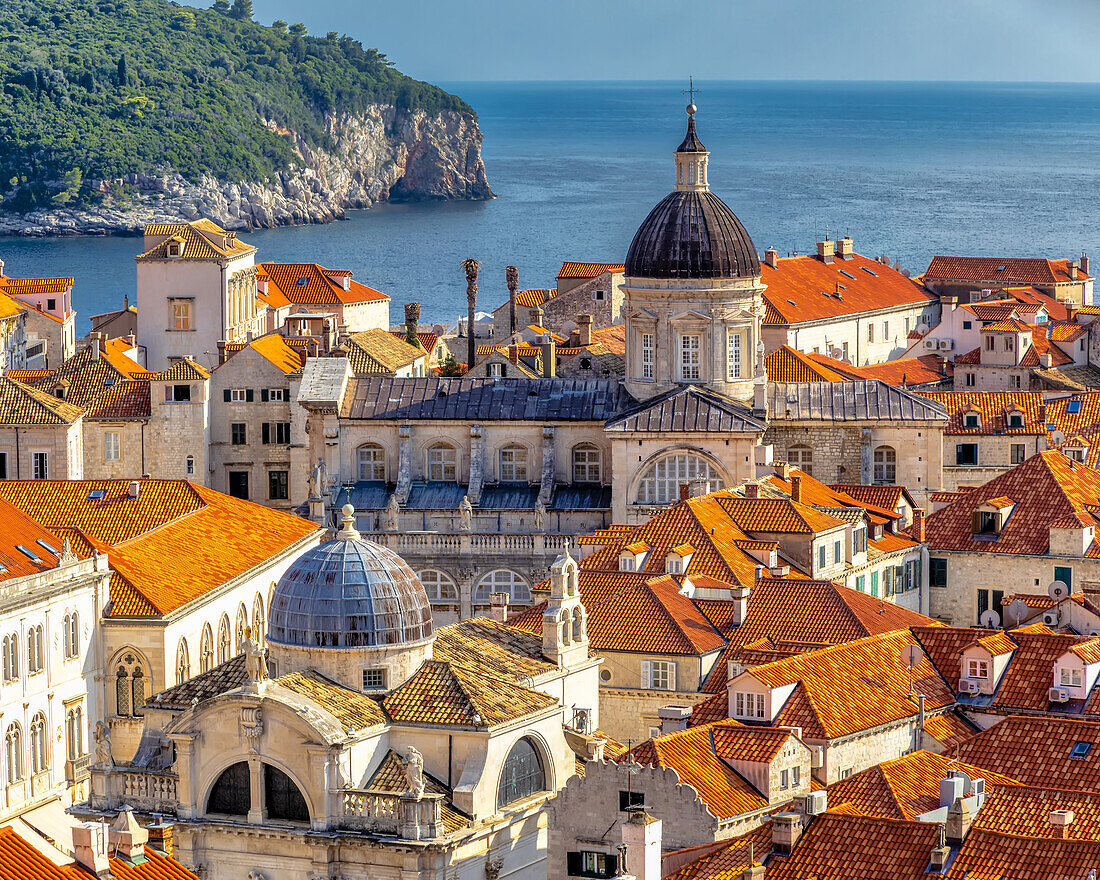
x,y
477,464
866,460
404,464
546,488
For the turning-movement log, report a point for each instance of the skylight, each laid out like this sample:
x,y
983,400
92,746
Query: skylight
x,y
869,271
848,274
1073,406
30,554
42,543
1080,750
1000,268
303,281
97,495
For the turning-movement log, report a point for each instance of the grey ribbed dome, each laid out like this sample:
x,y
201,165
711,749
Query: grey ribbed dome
x,y
692,234
349,593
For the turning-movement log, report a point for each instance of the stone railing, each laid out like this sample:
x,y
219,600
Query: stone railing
x,y
147,791
463,543
77,768
402,815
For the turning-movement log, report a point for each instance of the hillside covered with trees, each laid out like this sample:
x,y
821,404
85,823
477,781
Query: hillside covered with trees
x,y
95,89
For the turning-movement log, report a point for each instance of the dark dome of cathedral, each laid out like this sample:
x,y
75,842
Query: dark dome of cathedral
x,y
692,234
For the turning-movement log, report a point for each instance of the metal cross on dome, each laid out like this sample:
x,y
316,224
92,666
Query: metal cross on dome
x,y
690,91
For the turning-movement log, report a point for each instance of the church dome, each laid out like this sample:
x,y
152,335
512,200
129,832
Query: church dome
x,y
349,593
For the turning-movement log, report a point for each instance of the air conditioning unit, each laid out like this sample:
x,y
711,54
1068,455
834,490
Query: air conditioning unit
x,y
1057,695
966,686
931,344
815,803
979,787
1050,619
947,344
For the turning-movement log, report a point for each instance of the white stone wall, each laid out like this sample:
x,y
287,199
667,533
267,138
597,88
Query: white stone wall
x,y
62,444
843,758
176,431
131,461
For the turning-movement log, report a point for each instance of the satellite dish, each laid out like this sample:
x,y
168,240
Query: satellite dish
x,y
1058,591
967,784
1017,611
990,619
911,655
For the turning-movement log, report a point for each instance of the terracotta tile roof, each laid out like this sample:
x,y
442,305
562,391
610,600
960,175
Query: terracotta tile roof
x,y
128,399
846,847
9,307
19,530
1000,310
992,855
1049,487
1024,811
1000,270
17,287
701,763
785,364
23,405
355,711
390,777
613,338
923,370
882,497
428,341
492,649
726,860
905,787
535,296
448,694
185,370
948,729
226,537
1036,750
587,270
275,349
1066,331
993,407
802,289
85,379
226,676
202,240
854,686
974,356
312,284
1040,345
376,352
20,860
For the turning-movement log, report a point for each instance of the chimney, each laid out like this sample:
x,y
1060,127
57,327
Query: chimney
x,y
642,839
1042,413
674,718
740,597
685,491
95,347
958,822
584,329
127,838
796,487
126,296
549,357
825,250
1045,360
757,573
771,257
90,847
135,490
844,248
786,829
498,607
941,852
917,530
1072,270
131,340
785,470
752,490
160,837
1084,264
513,353
1061,820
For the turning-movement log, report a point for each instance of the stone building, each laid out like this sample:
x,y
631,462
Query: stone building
x,y
303,288
41,436
117,323
50,317
380,746
594,289
1068,281
13,334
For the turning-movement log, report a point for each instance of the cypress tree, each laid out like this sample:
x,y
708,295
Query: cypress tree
x,y
122,77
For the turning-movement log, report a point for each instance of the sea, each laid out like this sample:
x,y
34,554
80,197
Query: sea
x,y
909,170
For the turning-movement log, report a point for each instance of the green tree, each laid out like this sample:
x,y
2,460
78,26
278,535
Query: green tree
x,y
241,10
221,6
123,77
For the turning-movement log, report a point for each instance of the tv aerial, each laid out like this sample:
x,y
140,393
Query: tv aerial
x,y
990,619
911,655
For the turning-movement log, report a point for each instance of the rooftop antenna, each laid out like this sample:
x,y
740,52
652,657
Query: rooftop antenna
x,y
911,656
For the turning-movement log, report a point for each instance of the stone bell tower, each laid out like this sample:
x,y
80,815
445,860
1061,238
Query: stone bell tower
x,y
565,622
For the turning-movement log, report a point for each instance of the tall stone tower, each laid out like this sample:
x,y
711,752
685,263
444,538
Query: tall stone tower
x,y
692,287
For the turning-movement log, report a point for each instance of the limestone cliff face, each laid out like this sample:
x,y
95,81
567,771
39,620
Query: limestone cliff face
x,y
383,155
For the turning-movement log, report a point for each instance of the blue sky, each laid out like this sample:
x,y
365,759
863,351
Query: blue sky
x,y
452,40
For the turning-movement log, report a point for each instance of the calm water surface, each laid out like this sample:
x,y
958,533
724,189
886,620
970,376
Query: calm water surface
x,y
910,170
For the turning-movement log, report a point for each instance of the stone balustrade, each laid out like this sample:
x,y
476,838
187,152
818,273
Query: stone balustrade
x,y
402,815
147,791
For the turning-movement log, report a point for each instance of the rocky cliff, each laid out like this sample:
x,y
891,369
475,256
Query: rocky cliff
x,y
382,155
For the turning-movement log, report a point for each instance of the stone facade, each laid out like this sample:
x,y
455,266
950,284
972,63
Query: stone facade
x,y
60,448
181,429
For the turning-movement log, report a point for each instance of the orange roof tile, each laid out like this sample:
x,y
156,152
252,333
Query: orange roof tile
x,y
313,284
535,296
202,240
1037,750
923,370
1024,811
785,364
23,405
17,287
275,349
587,270
992,855
20,860
19,530
1000,270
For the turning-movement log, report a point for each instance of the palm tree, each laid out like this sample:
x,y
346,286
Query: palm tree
x,y
511,273
470,267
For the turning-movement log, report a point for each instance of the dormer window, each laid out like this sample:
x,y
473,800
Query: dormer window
x,y
632,557
986,523
676,562
627,562
1070,677
175,248
972,420
1015,420
977,669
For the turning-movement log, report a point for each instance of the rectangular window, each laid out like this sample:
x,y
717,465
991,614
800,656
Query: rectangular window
x,y
690,357
870,332
513,464
859,540
861,583
275,432
821,556
278,485
733,355
111,450
990,342
1009,343
238,434
967,325
1064,574
3,465
238,395
969,380
984,603
977,669
739,704
844,351
874,584
591,864
276,394
238,484
662,675
1014,381
177,393
836,551
1018,453
51,304
647,355
796,776
181,315
784,779
1069,677
374,679
885,330
628,799
759,705
496,371
41,465
966,453
442,463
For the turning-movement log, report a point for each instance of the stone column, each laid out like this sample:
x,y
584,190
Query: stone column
x,y
477,464
257,813
866,461
404,464
546,487
464,583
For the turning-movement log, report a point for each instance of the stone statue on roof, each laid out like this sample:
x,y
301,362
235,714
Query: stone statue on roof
x,y
414,771
465,515
255,661
103,756
540,516
392,509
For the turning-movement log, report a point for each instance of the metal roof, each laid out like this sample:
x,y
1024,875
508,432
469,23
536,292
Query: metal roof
x,y
688,408
854,401
516,399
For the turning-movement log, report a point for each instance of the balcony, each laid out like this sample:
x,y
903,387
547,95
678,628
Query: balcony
x,y
402,815
147,791
77,769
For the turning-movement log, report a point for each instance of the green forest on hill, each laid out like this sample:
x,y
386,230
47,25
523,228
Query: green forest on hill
x,y
94,89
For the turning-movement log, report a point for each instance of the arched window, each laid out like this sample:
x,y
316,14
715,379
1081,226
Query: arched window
x,y
232,793
578,625
502,581
372,462
122,692
442,463
242,625
13,752
522,775
138,682
801,457
282,797
259,622
513,464
35,662
660,484
71,636
11,657
886,468
74,733
439,586
586,463
39,758
206,649
183,662
225,641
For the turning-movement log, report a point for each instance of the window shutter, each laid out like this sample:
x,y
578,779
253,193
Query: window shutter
x,y
672,675
225,395
248,395
265,433
573,864
646,673
263,395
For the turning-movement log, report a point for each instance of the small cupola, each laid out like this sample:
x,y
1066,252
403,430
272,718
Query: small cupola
x,y
691,155
565,621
